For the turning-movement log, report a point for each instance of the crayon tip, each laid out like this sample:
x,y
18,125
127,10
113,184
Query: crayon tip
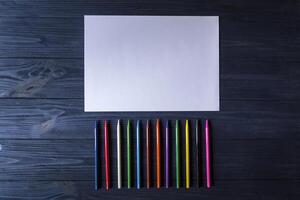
x,y
167,123
206,123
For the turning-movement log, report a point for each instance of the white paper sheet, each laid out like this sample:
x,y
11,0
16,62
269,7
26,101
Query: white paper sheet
x,y
151,63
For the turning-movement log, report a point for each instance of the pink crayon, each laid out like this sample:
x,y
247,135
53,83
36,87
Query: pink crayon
x,y
207,148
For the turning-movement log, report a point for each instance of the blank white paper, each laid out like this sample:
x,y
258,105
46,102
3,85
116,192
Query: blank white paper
x,y
151,63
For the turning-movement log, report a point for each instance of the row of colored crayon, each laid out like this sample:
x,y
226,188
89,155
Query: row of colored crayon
x,y
148,154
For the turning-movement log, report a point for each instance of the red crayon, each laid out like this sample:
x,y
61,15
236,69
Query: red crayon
x,y
106,151
158,158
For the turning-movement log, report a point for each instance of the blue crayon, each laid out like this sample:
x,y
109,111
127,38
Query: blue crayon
x,y
97,161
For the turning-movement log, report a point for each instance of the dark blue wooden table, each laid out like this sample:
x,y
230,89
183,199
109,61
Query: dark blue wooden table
x,y
46,140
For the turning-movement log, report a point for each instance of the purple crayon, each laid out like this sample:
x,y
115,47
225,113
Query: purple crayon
x,y
167,157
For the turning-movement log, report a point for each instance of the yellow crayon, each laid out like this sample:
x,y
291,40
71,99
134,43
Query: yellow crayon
x,y
187,154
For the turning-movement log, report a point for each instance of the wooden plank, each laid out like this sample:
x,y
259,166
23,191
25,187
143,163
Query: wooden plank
x,y
46,160
63,78
41,78
46,145
65,119
73,160
41,37
268,190
78,8
277,38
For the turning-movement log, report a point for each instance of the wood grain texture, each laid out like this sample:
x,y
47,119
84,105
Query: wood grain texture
x,y
41,37
78,8
59,190
73,160
30,37
65,119
46,140
63,78
41,78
